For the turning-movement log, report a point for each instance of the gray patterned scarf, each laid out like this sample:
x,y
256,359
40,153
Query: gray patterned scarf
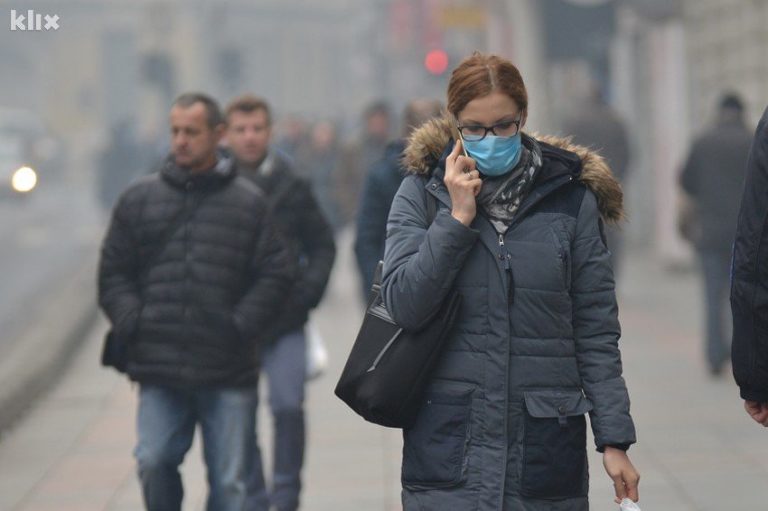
x,y
500,197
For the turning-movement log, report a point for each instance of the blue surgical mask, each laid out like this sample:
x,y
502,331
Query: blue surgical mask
x,y
495,156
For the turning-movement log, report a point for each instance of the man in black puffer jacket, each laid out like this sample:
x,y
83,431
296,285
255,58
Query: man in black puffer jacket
x,y
310,239
191,272
749,282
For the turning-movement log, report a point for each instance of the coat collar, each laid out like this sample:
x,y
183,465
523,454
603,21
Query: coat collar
x,y
222,173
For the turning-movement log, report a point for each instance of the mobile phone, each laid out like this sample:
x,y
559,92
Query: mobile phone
x,y
457,134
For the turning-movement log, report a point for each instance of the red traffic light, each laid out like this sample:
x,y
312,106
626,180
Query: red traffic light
x,y
436,62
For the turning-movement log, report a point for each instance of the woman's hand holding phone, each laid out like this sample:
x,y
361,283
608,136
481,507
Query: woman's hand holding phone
x,y
463,182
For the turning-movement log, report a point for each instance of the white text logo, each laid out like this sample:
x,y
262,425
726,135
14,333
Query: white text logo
x,y
30,21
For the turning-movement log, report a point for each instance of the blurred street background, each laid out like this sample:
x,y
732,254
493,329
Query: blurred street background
x,y
84,106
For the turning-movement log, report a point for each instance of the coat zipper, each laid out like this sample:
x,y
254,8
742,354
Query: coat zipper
x,y
505,258
566,268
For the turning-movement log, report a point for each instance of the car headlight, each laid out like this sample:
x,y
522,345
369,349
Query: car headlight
x,y
24,180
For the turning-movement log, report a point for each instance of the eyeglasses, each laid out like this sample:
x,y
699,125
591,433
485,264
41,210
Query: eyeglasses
x,y
476,133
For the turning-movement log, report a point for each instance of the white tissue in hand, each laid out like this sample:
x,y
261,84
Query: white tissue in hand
x,y
628,505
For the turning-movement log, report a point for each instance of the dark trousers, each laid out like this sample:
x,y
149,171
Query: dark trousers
x,y
715,267
284,364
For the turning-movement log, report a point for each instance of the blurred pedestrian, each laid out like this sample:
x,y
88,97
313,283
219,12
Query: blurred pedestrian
x,y
380,186
712,180
535,346
310,239
293,137
594,124
191,274
320,163
749,288
359,156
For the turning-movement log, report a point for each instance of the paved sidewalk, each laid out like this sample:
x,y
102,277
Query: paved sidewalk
x,y
698,450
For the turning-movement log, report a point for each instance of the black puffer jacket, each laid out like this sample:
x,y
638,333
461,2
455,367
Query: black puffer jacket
x,y
193,303
749,276
308,234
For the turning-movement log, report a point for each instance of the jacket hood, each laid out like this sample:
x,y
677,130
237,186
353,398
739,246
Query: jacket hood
x,y
426,146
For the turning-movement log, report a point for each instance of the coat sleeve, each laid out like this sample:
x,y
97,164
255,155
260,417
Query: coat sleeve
x,y
749,276
318,249
421,261
596,331
118,278
370,230
272,272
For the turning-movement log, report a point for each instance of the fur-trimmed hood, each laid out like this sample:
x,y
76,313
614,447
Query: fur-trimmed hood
x,y
427,143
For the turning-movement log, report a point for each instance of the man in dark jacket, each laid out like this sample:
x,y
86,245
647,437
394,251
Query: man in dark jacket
x,y
595,124
749,285
712,179
358,156
191,273
310,238
380,186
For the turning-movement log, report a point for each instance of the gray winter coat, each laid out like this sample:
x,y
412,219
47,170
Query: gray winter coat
x,y
535,347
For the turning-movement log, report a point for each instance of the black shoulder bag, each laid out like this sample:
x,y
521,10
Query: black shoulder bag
x,y
388,368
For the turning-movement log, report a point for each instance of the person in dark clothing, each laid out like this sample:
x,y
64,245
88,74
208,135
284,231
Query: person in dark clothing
x,y
294,137
596,125
319,163
358,156
712,179
191,273
380,186
310,238
534,349
749,282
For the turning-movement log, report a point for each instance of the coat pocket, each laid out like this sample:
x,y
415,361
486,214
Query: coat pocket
x,y
435,448
554,463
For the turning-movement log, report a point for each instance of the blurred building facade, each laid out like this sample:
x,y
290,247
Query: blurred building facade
x,y
112,60
660,63
727,44
671,61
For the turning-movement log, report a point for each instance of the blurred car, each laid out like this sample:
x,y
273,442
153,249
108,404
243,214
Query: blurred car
x,y
27,152
17,176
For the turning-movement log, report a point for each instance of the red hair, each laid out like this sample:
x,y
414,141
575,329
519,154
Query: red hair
x,y
478,75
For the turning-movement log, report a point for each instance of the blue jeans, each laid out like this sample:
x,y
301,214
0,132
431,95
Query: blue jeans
x,y
284,365
166,425
716,269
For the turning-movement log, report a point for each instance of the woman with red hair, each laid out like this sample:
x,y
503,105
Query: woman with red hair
x,y
519,234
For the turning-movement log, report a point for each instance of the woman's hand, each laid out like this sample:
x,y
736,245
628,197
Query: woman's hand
x,y
463,183
620,469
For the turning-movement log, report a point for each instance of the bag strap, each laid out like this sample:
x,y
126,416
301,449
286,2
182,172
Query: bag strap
x,y
431,214
180,219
